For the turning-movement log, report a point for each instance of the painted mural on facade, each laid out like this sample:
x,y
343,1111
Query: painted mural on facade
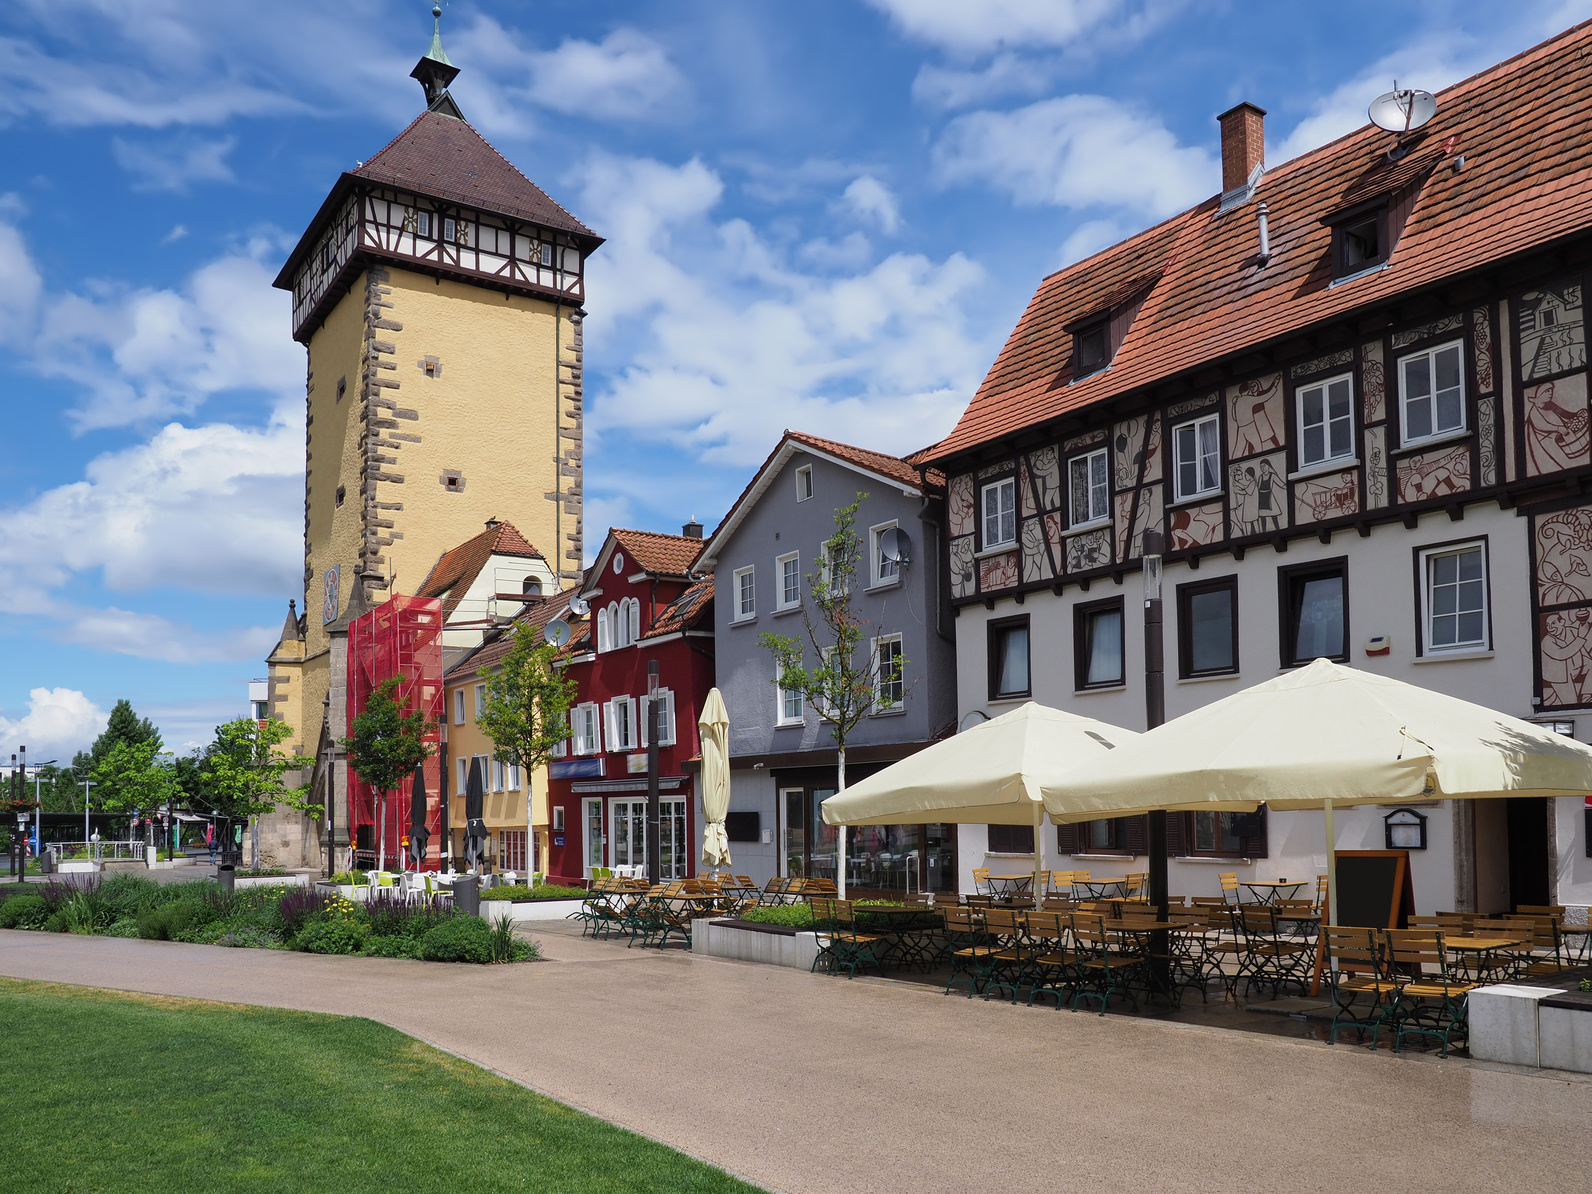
x,y
1194,526
1434,474
1259,492
1373,382
1256,416
1333,495
1556,425
1552,334
1562,548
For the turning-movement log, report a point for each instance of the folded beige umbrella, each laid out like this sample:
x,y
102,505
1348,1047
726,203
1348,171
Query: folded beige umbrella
x,y
1324,735
714,725
989,775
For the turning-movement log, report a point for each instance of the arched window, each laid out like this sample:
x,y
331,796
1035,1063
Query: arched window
x,y
635,620
532,586
605,640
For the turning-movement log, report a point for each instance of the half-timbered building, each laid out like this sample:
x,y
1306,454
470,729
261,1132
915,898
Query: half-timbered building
x,y
1351,393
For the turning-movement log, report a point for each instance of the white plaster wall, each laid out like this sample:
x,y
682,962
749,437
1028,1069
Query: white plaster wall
x,y
1575,868
752,790
1382,600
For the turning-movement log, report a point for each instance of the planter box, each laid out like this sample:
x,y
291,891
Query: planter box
x,y
528,909
79,866
773,945
1544,1027
289,880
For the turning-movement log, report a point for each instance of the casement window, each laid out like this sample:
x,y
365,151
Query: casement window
x,y
423,224
1432,393
605,630
484,763
513,773
464,777
1313,611
450,228
743,592
1110,835
889,685
1207,627
1454,595
458,706
1011,839
586,735
625,622
1097,644
882,571
1217,835
1197,458
1008,658
1326,421
622,733
1360,243
790,709
480,701
804,482
999,504
1090,491
666,701
788,570
1091,349
499,775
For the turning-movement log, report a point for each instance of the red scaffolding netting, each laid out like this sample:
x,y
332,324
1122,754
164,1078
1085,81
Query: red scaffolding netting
x,y
401,638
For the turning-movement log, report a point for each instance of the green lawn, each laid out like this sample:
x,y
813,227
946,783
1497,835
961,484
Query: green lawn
x,y
110,1091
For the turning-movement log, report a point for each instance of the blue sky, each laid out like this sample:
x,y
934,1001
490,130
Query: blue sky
x,y
823,215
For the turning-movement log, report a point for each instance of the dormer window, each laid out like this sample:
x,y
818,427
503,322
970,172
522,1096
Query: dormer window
x,y
1091,350
1099,333
1360,245
1367,223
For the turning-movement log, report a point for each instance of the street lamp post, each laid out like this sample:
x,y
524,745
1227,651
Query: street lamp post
x,y
654,722
87,784
1154,715
38,803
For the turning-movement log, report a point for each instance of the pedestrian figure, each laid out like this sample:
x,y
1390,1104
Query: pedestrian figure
x,y
210,841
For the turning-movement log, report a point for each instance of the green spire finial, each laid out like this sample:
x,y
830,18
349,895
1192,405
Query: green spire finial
x,y
436,53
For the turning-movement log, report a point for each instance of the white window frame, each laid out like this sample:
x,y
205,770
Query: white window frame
x,y
464,778
804,483
1077,518
629,739
781,600
876,563
586,731
458,706
741,610
635,620
782,714
1003,510
878,674
480,700
486,770
605,631
1324,386
499,776
666,699
515,783
1437,433
1428,557
1213,421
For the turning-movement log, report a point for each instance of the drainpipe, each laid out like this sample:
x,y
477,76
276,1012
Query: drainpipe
x,y
926,520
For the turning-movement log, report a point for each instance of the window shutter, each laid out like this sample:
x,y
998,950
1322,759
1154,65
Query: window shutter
x,y
1252,833
1177,834
1136,835
1067,839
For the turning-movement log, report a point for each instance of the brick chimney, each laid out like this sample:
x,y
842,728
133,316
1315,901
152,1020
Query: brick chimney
x,y
692,529
1243,144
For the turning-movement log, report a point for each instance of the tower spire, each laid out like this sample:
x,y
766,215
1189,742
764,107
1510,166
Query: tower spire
x,y
434,71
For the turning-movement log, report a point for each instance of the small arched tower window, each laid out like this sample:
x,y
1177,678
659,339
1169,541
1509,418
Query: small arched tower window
x,y
532,586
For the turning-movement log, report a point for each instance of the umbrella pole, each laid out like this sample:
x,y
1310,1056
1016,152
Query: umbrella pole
x,y
1039,854
1332,865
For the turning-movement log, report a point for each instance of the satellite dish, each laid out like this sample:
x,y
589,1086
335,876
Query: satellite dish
x,y
894,545
556,632
1402,111
968,721
579,606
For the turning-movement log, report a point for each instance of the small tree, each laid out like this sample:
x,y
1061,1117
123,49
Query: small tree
x,y
386,745
241,771
527,711
134,775
845,685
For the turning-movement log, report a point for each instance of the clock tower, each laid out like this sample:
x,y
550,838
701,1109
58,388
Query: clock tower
x,y
439,293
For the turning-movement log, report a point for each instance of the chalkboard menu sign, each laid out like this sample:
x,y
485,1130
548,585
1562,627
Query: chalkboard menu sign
x,y
1374,889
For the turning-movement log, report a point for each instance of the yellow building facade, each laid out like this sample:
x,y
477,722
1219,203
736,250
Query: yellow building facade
x,y
438,293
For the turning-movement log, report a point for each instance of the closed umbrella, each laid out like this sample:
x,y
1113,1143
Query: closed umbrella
x,y
714,725
474,825
418,832
990,775
1323,736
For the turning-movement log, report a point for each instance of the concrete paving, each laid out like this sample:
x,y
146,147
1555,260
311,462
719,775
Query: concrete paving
x,y
809,1083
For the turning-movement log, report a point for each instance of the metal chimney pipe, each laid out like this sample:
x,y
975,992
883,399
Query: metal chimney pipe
x,y
1263,219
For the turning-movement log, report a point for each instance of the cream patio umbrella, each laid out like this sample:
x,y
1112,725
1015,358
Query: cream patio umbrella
x,y
989,775
714,725
1324,736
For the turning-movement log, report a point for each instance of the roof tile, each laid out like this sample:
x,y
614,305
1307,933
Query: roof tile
x,y
455,570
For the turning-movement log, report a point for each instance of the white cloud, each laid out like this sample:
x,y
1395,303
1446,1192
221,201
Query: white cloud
x,y
20,283
173,165
1077,151
946,87
1089,238
728,343
177,232
870,201
626,76
972,27
150,636
59,723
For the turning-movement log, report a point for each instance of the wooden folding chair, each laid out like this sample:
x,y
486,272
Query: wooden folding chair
x,y
1428,1001
1357,970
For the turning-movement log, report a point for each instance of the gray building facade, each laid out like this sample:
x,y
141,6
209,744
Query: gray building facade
x,y
782,754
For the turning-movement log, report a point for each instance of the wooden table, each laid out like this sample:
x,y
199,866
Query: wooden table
x,y
1484,968
1011,885
1095,889
1267,891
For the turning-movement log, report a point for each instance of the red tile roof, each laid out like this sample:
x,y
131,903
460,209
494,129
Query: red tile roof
x,y
497,642
1524,128
445,157
456,570
684,612
665,555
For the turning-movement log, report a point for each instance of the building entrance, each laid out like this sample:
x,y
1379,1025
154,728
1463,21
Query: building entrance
x,y
1527,818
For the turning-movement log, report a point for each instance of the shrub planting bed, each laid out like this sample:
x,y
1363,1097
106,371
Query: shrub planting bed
x,y
261,918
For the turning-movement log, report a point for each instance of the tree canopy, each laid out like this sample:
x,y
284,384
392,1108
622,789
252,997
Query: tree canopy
x,y
527,703
387,743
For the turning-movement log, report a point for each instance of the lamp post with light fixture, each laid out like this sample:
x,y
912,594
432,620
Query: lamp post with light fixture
x,y
1154,715
654,725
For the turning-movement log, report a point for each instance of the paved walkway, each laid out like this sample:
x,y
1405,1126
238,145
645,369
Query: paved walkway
x,y
809,1083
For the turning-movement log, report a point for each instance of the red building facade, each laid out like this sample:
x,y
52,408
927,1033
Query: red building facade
x,y
643,606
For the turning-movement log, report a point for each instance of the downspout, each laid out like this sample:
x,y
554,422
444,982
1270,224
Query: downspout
x,y
926,520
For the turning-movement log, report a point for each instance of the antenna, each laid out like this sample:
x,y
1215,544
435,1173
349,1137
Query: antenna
x,y
894,545
579,606
556,632
1402,112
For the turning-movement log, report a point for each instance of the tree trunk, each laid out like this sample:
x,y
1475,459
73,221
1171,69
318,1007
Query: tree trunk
x,y
381,831
840,830
530,832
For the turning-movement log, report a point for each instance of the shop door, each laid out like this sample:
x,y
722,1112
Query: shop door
x,y
808,847
674,844
592,832
1528,850
630,833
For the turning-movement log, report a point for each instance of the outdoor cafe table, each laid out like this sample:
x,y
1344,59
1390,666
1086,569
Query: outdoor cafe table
x,y
1095,889
914,933
1267,891
1478,955
1009,887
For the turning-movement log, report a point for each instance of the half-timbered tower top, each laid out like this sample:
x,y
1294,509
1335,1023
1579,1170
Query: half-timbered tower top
x,y
438,199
